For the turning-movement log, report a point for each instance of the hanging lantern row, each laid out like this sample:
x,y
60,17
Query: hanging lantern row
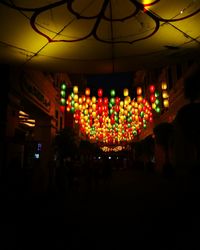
x,y
155,99
109,120
165,94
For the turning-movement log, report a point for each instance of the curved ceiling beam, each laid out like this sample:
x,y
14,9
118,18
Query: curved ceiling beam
x,y
99,17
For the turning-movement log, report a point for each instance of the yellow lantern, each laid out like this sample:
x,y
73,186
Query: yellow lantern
x,y
129,107
94,99
153,105
165,94
75,89
76,106
127,100
166,103
94,106
121,104
126,92
94,114
76,98
164,85
80,100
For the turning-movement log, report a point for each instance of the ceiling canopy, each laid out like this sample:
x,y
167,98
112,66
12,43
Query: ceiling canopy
x,y
98,36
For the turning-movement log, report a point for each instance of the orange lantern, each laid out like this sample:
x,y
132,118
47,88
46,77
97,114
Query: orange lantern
x,y
139,91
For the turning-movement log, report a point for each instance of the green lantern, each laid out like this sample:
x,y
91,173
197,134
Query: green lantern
x,y
112,101
62,101
157,109
112,92
157,101
156,93
63,88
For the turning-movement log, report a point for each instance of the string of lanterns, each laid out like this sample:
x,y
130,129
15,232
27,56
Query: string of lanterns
x,y
111,120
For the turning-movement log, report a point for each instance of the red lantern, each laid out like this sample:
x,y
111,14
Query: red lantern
x,y
117,100
152,98
100,101
62,109
152,89
105,100
100,92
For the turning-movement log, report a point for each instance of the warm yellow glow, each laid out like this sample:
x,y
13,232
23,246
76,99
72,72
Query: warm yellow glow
x,y
164,85
165,94
153,105
139,90
23,113
30,120
166,103
87,91
127,100
76,106
94,99
126,92
121,104
28,124
75,89
94,106
76,98
139,98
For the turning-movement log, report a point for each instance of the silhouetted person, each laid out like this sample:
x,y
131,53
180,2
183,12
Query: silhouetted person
x,y
163,146
187,127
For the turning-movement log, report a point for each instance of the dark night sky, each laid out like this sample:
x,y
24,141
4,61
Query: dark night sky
x,y
117,81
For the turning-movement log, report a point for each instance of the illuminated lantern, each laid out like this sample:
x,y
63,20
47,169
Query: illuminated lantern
x,y
164,86
117,100
166,103
165,94
76,98
157,109
87,91
157,101
62,101
63,94
152,89
126,92
63,86
100,101
94,99
156,93
75,89
112,92
76,105
152,98
112,101
154,105
88,100
127,100
80,100
100,92
139,91
139,99
83,98
105,101
62,109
